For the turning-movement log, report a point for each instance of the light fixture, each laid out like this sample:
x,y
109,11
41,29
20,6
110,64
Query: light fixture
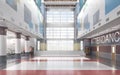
x,y
97,48
113,49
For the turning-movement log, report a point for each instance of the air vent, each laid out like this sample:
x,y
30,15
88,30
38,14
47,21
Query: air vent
x,y
118,13
107,19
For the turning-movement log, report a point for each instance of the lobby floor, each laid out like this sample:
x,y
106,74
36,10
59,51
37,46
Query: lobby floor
x,y
60,66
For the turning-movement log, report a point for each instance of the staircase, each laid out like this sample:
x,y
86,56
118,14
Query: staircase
x,y
60,53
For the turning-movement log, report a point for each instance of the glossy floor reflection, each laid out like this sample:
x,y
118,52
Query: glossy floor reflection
x,y
60,63
59,66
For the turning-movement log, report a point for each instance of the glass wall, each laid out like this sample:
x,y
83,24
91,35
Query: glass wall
x,y
60,38
60,33
60,17
60,45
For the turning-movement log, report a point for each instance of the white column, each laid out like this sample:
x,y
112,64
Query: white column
x,y
3,45
18,43
27,45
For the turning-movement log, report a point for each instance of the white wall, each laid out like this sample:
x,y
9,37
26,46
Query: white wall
x,y
18,16
90,7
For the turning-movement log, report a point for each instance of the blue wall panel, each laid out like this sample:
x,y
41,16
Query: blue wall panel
x,y
42,9
78,25
38,2
12,4
28,16
81,3
96,17
41,27
31,25
77,9
86,23
110,5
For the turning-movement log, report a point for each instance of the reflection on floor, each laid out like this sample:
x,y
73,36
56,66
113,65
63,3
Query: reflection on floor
x,y
60,66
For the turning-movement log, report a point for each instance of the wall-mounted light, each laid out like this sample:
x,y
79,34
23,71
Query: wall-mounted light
x,y
38,45
113,55
97,48
81,45
113,49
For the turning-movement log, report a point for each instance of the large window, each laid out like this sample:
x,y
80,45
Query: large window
x,y
60,45
60,30
60,38
60,16
60,33
86,22
12,3
110,5
96,17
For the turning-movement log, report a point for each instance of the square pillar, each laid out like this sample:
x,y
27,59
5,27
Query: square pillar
x,y
3,44
27,51
18,46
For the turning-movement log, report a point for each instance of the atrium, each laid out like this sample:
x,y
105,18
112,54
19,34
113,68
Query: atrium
x,y
59,37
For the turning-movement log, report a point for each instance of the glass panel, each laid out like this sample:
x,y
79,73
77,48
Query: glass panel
x,y
64,45
60,33
60,16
